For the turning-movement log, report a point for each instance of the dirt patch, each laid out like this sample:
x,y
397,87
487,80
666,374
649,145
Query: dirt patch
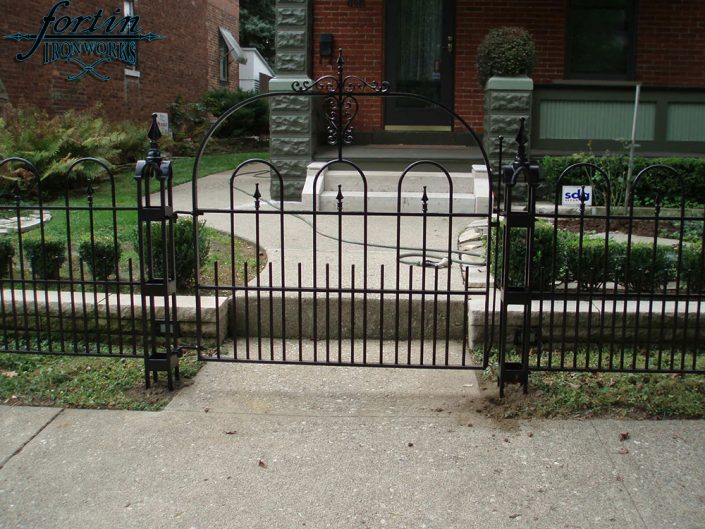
x,y
645,228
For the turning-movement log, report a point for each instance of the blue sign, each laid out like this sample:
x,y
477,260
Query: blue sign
x,y
85,40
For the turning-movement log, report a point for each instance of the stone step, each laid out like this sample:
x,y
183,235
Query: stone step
x,y
388,181
387,201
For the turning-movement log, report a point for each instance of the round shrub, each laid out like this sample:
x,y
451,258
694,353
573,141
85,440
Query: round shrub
x,y
184,250
692,272
644,269
546,255
45,259
588,265
505,51
100,257
7,252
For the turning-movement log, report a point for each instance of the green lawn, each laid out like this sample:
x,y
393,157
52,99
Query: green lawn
x,y
588,394
84,382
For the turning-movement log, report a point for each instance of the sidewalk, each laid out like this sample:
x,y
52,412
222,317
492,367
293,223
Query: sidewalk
x,y
298,446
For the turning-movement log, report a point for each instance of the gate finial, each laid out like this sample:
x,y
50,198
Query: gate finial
x,y
154,154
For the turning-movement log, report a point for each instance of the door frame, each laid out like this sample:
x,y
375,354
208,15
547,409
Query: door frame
x,y
421,119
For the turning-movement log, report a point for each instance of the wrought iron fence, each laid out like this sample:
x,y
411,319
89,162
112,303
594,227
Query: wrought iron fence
x,y
587,287
67,286
605,288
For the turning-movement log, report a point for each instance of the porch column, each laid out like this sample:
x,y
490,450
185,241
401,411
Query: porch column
x,y
507,100
291,138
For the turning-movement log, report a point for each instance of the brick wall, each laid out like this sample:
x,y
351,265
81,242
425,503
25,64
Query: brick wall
x,y
218,16
359,31
670,43
181,64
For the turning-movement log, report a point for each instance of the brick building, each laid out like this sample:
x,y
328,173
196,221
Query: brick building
x,y
591,54
198,52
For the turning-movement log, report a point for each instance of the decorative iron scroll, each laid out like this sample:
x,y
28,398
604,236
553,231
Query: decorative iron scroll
x,y
341,105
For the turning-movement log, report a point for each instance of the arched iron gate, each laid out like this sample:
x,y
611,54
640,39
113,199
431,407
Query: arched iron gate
x,y
333,290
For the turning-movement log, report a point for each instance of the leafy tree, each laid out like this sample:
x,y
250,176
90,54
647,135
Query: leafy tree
x,y
257,26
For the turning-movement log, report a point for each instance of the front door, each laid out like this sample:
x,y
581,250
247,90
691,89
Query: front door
x,y
420,46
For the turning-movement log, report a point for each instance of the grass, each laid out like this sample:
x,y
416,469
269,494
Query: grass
x,y
90,382
590,394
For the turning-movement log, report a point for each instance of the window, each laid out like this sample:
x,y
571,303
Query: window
x,y
600,40
224,62
128,10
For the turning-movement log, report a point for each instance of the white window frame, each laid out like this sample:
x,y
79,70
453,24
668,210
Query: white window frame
x,y
223,60
128,9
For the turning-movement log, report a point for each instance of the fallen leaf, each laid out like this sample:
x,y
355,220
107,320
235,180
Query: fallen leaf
x,y
623,436
261,463
513,516
8,374
623,451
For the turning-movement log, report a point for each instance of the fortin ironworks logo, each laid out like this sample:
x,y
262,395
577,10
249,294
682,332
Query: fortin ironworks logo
x,y
87,41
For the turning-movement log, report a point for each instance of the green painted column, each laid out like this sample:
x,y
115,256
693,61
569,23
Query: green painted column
x,y
291,137
507,100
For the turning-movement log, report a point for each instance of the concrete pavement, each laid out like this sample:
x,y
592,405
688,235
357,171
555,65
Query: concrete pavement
x,y
298,446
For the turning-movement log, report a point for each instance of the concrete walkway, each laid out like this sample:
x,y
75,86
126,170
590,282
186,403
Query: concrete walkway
x,y
214,192
284,447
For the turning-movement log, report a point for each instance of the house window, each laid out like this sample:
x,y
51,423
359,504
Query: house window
x,y
128,10
224,62
600,39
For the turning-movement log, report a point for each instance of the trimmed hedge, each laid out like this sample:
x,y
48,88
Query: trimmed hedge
x,y
505,51
591,263
616,166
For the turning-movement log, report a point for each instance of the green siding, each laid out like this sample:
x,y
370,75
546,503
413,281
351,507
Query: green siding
x,y
595,120
686,122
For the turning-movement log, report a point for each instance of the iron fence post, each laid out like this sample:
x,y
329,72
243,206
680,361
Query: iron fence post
x,y
511,294
160,335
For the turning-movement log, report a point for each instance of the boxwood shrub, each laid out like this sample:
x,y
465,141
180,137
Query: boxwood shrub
x,y
184,249
505,51
45,259
692,273
7,252
100,257
649,270
645,269
588,264
544,251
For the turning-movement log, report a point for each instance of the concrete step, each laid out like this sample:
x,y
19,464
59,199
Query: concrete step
x,y
388,181
387,201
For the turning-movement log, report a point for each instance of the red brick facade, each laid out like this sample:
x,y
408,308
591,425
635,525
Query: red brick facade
x,y
670,43
185,63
